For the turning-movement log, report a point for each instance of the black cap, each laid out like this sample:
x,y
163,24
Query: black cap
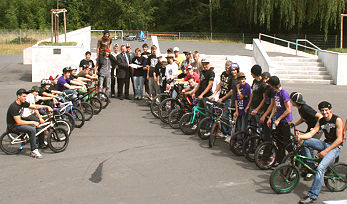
x,y
297,98
35,89
169,50
106,31
324,104
22,91
274,81
256,70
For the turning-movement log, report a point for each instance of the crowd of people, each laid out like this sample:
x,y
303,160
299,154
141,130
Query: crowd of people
x,y
265,102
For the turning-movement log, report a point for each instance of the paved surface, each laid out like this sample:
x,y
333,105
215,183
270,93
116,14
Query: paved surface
x,y
124,155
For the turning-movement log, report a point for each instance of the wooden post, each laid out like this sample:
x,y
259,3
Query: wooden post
x,y
55,27
341,40
65,25
52,26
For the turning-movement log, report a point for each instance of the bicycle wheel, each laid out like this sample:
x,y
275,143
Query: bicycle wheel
x,y
78,117
69,117
9,144
104,99
335,178
249,147
65,125
236,142
284,178
214,132
265,155
155,103
88,110
204,128
57,140
97,105
165,107
174,118
188,124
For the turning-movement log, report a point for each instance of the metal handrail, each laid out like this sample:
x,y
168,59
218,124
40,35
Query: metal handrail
x,y
316,48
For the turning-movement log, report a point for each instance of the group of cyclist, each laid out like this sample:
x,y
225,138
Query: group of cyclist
x,y
265,103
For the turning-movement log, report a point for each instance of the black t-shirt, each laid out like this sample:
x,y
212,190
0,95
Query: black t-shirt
x,y
43,90
269,94
15,110
308,114
72,77
329,129
258,88
182,76
84,63
139,61
205,77
228,82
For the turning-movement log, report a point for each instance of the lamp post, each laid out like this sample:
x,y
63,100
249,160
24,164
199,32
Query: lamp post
x,y
341,40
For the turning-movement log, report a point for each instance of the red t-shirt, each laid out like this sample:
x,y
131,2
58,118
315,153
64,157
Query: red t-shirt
x,y
195,76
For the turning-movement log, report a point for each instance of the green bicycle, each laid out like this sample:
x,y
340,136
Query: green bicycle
x,y
286,176
190,121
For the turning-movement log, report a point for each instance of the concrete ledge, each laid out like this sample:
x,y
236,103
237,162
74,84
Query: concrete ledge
x,y
261,57
336,65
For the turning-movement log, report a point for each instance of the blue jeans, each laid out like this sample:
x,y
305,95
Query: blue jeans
x,y
253,119
323,165
72,94
138,82
226,130
31,131
241,123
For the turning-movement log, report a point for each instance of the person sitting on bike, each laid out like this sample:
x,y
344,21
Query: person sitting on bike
x,y
16,124
86,73
330,148
268,106
282,111
77,81
47,89
242,93
63,84
257,100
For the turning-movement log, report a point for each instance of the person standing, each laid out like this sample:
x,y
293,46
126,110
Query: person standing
x,y
114,70
242,93
123,73
132,55
138,73
145,57
104,43
152,76
197,66
178,58
104,65
87,62
187,61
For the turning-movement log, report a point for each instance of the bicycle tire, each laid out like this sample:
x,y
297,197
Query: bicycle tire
x,y
69,117
213,136
104,99
236,142
185,125
287,173
7,147
174,118
336,182
78,117
249,147
265,155
155,103
204,128
57,136
97,105
88,110
65,125
165,107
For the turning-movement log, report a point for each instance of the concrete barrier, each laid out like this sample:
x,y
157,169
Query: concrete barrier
x,y
261,57
335,64
50,60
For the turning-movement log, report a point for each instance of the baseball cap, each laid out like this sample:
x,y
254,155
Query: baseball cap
x,y
73,67
204,60
189,67
274,81
22,91
127,45
35,89
66,69
234,66
176,49
324,104
107,50
297,98
240,75
187,51
169,50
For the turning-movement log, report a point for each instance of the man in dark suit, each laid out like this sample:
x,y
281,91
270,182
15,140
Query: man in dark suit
x,y
123,73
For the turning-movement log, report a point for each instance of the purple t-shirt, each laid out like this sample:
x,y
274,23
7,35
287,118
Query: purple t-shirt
x,y
242,104
280,98
61,82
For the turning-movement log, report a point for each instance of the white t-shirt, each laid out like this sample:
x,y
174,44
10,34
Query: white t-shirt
x,y
171,70
32,100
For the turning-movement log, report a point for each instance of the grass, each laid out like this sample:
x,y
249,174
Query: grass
x,y
10,49
46,43
341,50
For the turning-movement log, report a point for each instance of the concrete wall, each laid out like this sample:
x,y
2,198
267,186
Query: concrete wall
x,y
261,57
46,63
336,65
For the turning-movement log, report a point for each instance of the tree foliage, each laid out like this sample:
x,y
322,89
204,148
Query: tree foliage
x,y
275,16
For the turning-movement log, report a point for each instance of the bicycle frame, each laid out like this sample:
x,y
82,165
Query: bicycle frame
x,y
16,140
197,110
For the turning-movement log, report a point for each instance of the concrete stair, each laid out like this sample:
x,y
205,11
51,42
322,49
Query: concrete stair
x,y
300,70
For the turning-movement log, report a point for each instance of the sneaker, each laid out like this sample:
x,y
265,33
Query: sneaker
x,y
148,96
307,199
36,154
308,177
227,139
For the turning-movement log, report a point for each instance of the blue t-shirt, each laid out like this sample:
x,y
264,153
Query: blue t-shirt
x,y
281,98
61,82
242,103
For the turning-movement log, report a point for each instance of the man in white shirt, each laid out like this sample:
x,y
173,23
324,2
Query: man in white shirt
x,y
171,72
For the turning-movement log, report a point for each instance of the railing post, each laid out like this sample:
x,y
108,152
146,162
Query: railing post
x,y
296,47
211,36
179,35
243,37
20,36
259,36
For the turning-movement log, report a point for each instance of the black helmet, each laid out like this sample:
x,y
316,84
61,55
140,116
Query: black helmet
x,y
46,82
234,66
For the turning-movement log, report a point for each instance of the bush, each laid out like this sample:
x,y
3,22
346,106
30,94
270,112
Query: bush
x,y
24,40
45,43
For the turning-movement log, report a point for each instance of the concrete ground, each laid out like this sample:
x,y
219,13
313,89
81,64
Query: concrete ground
x,y
125,155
